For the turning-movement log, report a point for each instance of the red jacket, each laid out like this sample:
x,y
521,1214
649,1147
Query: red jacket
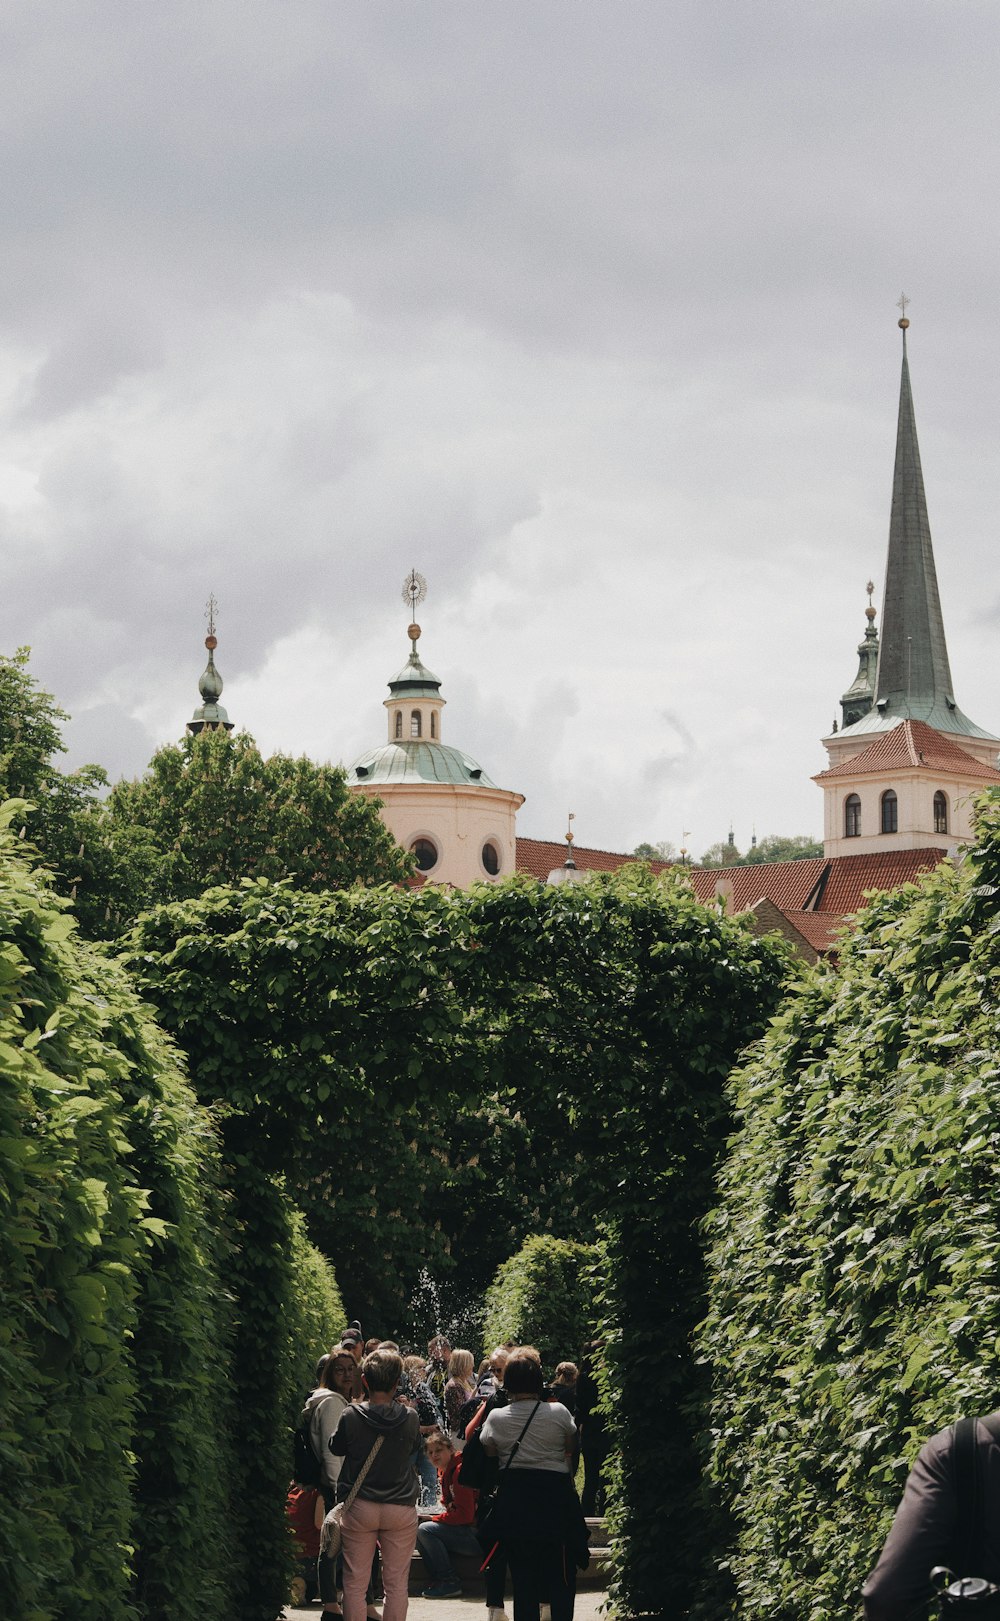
x,y
459,1501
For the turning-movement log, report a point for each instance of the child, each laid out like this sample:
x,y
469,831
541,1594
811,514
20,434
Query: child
x,y
305,1509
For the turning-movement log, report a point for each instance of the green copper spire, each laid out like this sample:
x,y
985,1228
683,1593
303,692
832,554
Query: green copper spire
x,y
914,677
211,717
860,695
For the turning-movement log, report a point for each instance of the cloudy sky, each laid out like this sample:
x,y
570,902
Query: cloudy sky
x,y
585,310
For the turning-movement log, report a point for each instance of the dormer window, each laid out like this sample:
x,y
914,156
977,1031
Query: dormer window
x,y
940,813
415,724
852,817
890,812
399,723
434,724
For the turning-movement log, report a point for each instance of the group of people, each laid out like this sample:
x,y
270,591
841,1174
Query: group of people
x,y
489,1453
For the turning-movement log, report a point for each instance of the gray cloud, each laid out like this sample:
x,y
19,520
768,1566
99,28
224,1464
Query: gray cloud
x,y
584,310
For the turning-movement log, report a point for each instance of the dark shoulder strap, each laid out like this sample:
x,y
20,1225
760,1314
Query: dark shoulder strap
x,y
520,1438
967,1494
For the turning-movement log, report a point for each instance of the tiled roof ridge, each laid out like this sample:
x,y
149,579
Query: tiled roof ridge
x,y
594,849
906,745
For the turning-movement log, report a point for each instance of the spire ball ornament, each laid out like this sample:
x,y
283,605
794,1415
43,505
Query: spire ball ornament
x,y
901,304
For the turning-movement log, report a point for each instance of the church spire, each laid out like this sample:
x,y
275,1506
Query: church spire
x,y
860,695
211,717
913,680
914,677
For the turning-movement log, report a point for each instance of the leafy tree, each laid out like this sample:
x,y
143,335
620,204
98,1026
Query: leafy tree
x,y
723,854
64,816
779,847
212,810
774,847
854,1299
662,851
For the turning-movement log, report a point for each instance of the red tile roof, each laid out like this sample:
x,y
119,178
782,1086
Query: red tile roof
x,y
832,888
912,744
539,856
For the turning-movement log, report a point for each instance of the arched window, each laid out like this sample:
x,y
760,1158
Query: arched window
x,y
852,817
940,813
399,723
890,812
415,723
434,724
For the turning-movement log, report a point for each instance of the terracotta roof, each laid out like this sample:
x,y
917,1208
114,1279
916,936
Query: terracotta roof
x,y
788,884
538,857
850,876
832,888
837,884
912,745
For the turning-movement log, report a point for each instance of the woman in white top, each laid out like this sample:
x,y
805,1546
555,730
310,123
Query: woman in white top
x,y
537,1514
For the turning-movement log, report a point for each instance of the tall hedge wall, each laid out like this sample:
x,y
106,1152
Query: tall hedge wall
x,y
543,1295
855,1295
119,1484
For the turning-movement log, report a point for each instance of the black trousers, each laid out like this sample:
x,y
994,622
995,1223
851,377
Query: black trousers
x,y
541,1573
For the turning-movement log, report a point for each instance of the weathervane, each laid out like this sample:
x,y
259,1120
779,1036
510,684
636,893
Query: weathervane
x,y
414,592
211,609
901,304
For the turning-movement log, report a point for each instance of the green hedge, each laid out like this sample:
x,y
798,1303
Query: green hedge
x,y
104,1308
124,1454
542,1296
855,1300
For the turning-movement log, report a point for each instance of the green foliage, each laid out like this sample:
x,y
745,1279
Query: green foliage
x,y
101,1146
365,1030
773,847
542,1297
212,810
316,1317
63,815
855,1307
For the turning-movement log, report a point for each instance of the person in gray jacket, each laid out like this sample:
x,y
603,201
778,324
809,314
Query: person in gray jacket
x,y
928,1529
384,1510
322,1412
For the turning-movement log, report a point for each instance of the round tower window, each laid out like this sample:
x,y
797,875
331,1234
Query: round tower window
x,y
426,853
491,858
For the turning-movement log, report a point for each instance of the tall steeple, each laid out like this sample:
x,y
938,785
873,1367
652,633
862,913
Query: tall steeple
x,y
211,717
913,679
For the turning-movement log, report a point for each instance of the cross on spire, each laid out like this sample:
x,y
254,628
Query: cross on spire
x,y
901,304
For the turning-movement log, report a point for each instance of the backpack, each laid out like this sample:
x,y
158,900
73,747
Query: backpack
x,y
306,1467
968,1594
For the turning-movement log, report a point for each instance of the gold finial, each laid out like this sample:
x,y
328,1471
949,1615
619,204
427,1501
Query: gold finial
x,y
870,610
901,304
414,592
211,609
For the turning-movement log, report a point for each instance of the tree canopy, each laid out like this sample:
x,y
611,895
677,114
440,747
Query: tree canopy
x,y
773,847
213,810
208,810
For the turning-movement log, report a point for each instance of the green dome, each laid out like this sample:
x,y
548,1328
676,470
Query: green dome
x,y
418,761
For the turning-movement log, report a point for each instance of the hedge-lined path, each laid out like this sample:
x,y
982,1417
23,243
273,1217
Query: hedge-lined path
x,y
588,1608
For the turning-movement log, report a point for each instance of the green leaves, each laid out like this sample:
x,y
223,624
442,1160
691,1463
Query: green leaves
x,y
854,1302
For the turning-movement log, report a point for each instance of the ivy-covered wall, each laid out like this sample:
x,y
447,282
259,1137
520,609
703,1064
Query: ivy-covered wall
x,y
855,1301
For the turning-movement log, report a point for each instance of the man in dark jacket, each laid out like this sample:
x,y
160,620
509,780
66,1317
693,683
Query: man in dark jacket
x,y
928,1528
